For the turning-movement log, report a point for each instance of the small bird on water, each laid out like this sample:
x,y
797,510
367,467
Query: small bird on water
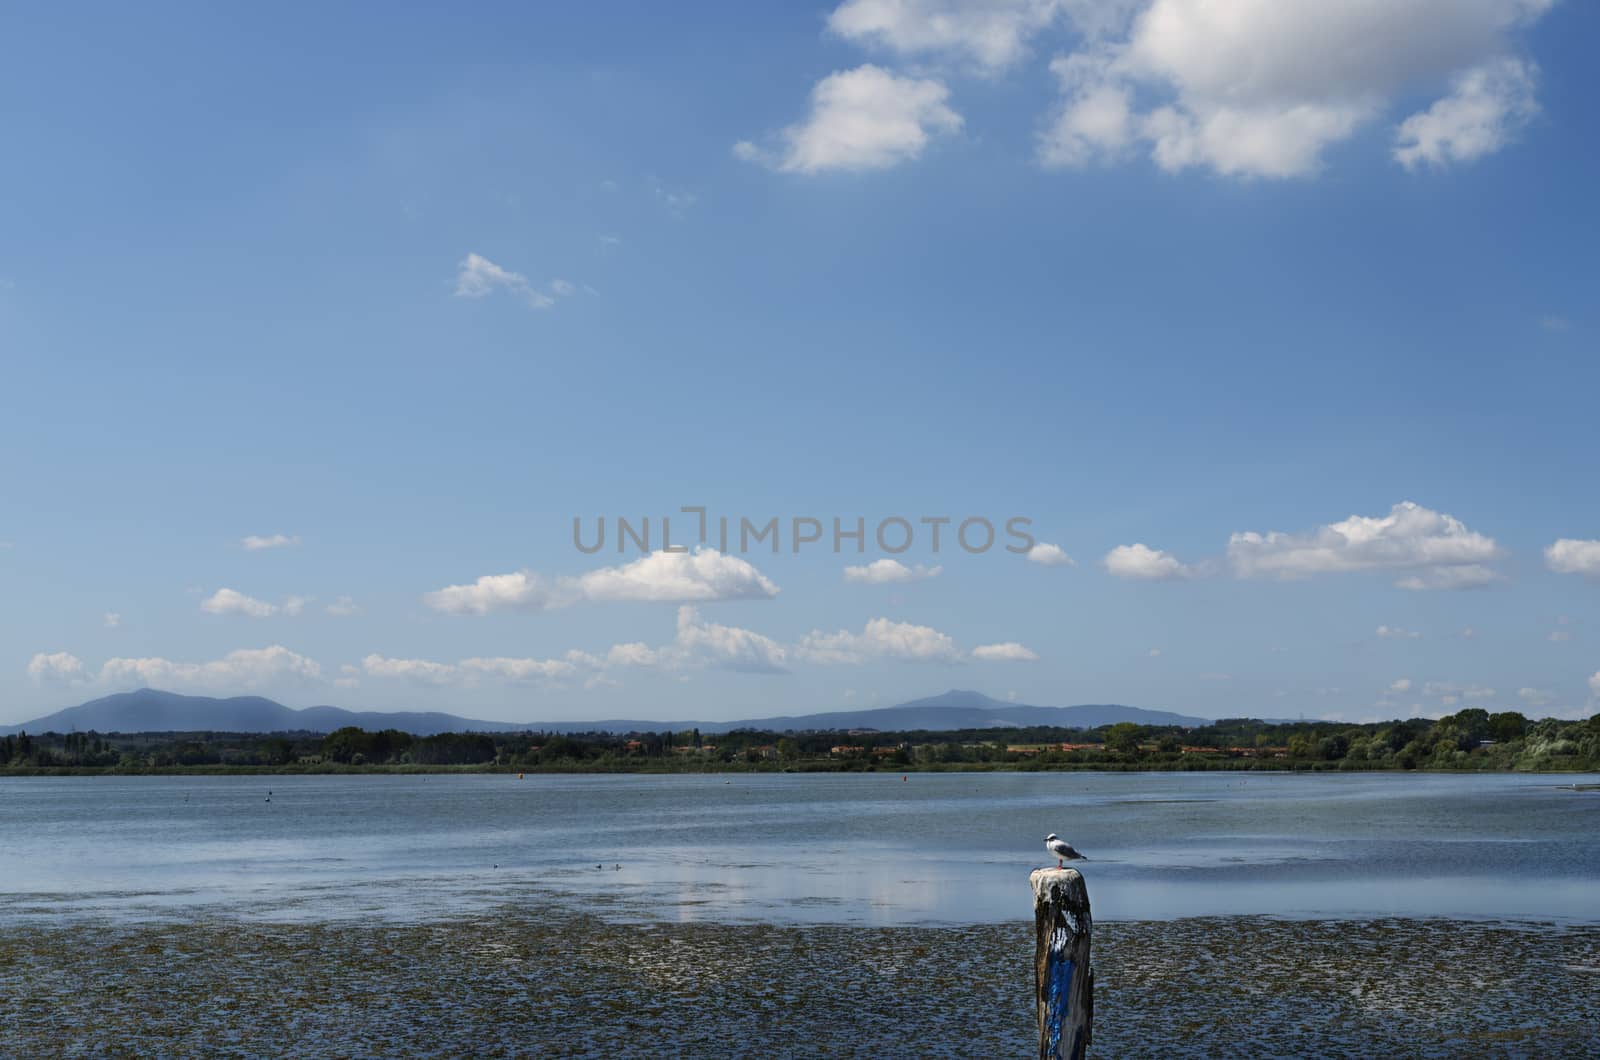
x,y
1062,850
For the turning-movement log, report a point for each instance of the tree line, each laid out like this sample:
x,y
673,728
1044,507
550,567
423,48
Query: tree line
x,y
1471,739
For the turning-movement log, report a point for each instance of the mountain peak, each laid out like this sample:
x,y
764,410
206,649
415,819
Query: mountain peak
x,y
964,698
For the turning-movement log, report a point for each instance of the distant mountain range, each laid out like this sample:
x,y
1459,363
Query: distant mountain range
x,y
151,710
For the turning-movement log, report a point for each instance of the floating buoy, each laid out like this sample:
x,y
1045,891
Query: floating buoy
x,y
519,776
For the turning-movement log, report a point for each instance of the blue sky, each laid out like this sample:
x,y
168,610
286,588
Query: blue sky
x,y
412,292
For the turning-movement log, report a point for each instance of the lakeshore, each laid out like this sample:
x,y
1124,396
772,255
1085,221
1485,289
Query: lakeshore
x,y
768,915
547,981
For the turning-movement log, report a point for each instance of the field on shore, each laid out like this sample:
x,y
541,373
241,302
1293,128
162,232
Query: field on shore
x,y
549,982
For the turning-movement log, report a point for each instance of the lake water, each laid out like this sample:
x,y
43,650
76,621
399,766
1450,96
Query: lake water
x,y
812,849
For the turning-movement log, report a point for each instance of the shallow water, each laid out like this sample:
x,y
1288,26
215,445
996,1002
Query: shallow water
x,y
544,982
949,849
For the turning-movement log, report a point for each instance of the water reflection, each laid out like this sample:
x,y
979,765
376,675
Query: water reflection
x,y
939,848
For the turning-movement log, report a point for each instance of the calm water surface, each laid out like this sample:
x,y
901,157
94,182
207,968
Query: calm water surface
x,y
871,849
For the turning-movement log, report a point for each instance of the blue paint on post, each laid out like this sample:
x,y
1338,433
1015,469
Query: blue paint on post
x,y
1060,969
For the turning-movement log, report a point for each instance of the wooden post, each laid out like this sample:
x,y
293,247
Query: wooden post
x,y
1063,978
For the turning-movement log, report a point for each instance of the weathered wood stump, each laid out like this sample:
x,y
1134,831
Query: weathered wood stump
x,y
1062,975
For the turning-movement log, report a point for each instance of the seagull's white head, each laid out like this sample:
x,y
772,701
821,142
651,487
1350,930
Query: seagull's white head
x,y
1051,838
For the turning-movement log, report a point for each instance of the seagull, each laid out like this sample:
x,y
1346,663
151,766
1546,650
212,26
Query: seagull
x,y
1062,850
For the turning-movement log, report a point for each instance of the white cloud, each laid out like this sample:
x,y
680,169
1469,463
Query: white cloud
x,y
1560,636
1154,653
420,671
478,277
1097,121
1263,88
635,653
1009,651
343,607
701,576
1396,633
1573,556
1049,556
55,666
1594,684
257,542
469,672
674,577
1402,684
1534,697
294,605
1143,563
492,592
230,602
512,669
245,668
861,119
889,571
111,619
1484,110
881,638
1465,576
1437,550
728,647
991,34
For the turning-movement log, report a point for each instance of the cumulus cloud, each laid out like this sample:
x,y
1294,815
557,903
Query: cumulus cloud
x,y
245,668
889,572
1482,113
257,542
1436,550
728,647
1402,684
57,666
478,277
111,620
230,602
1574,556
861,119
1143,563
1049,556
1594,684
881,638
700,576
420,671
1009,651
520,669
1396,633
1263,88
635,653
992,34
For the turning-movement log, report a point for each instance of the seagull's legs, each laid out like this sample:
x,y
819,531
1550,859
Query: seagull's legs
x,y
1060,864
